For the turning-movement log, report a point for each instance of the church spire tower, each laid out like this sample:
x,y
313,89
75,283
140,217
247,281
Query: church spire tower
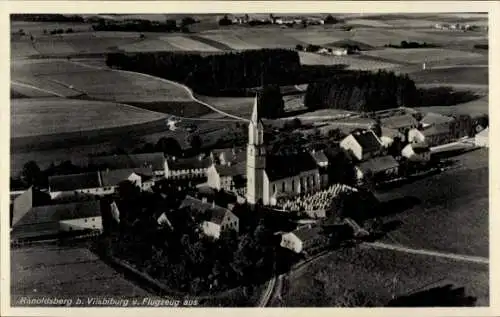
x,y
256,156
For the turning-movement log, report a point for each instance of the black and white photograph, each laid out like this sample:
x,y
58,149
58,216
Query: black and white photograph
x,y
249,159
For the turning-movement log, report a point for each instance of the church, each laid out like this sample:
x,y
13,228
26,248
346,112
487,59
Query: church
x,y
271,177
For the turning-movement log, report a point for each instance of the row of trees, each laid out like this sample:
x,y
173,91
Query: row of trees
x,y
46,17
405,44
362,91
139,26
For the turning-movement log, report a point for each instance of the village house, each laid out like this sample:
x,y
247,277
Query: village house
x,y
435,119
216,218
417,152
388,135
381,167
362,144
155,161
228,177
402,123
434,135
31,221
228,155
302,239
97,183
187,168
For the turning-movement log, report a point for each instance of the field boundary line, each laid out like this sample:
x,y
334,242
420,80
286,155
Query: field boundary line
x,y
186,88
453,256
37,88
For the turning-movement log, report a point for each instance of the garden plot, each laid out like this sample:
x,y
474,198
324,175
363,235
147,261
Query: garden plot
x,y
148,45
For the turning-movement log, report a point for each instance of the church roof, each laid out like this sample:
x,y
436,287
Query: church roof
x,y
280,167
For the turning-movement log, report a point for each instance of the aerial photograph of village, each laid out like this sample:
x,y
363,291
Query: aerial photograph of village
x,y
249,160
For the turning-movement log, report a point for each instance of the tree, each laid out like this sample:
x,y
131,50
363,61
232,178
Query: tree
x,y
128,190
299,47
331,20
225,21
271,102
31,173
168,146
195,142
187,21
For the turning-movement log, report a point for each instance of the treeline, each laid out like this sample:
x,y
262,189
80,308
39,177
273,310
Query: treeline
x,y
216,73
361,91
138,26
46,17
405,44
481,46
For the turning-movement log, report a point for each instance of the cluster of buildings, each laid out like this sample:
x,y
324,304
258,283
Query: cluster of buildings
x,y
299,182
286,21
458,27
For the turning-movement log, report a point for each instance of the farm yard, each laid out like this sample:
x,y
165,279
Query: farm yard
x,y
52,270
36,117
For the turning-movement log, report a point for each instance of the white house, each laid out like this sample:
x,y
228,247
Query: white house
x,y
362,144
388,136
300,239
432,135
417,152
216,218
228,177
187,168
482,138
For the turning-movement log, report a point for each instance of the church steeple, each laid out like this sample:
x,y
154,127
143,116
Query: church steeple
x,y
256,156
255,127
255,112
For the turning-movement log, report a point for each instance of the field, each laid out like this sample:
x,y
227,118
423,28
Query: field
x,y
32,117
69,78
453,75
475,107
65,271
381,273
351,62
420,55
458,199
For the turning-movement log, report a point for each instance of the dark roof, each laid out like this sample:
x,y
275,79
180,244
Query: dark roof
x,y
213,212
420,147
399,121
74,182
305,233
391,133
367,140
230,154
51,213
153,160
279,167
231,169
435,130
22,205
378,164
114,177
189,163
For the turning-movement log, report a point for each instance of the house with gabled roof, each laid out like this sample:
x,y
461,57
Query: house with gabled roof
x,y
217,219
301,239
187,168
155,161
67,186
379,167
362,144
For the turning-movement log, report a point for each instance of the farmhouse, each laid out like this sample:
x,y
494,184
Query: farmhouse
x,y
97,183
401,123
301,239
228,155
482,138
433,135
362,145
388,136
228,177
416,152
216,218
31,221
67,186
155,161
435,119
187,168
377,167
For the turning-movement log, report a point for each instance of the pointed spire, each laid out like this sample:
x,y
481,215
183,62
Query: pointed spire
x,y
255,111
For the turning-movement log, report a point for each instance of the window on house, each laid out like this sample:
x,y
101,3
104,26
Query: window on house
x,y
293,185
283,187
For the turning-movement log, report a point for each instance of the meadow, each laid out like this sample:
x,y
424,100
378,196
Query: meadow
x,y
351,62
51,270
380,274
453,75
420,55
34,117
460,199
69,78
473,108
